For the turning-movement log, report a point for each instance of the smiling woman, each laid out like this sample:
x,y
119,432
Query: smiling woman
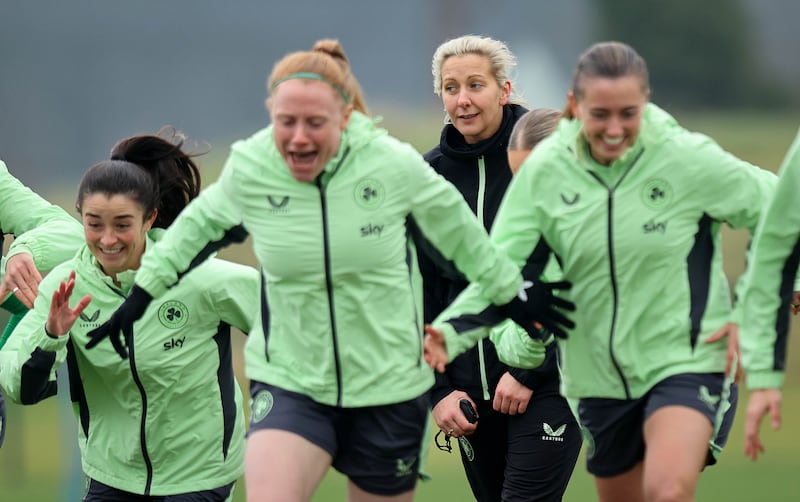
x,y
180,360
629,202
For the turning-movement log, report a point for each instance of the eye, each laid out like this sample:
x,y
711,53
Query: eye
x,y
93,226
476,85
599,114
450,89
630,113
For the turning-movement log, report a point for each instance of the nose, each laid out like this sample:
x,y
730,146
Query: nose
x,y
614,127
108,238
299,135
463,98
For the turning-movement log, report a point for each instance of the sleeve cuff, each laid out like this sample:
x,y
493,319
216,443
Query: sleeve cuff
x,y
764,380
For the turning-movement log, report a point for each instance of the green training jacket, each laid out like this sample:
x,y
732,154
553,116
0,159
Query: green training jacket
x,y
41,229
340,317
771,281
167,420
640,242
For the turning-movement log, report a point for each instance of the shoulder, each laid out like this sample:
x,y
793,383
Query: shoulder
x,y
433,156
217,269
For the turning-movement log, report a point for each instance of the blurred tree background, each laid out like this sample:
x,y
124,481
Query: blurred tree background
x,y
700,54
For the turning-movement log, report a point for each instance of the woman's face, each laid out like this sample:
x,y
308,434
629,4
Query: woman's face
x,y
472,98
308,118
611,111
115,230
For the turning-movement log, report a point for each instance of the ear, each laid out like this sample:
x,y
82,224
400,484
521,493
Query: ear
x,y
148,223
348,110
505,93
573,104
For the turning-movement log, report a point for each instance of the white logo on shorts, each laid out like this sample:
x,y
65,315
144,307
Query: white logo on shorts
x,y
261,405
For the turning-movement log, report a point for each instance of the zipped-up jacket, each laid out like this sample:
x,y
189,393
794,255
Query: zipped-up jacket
x,y
640,242
168,419
772,280
481,174
341,318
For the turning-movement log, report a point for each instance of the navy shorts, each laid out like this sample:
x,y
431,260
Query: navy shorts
x,y
377,447
614,428
99,492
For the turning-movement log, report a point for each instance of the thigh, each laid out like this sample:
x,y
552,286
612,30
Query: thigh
x,y
380,446
281,465
543,446
290,444
681,415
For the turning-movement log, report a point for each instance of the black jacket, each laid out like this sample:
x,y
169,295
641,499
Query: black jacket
x,y
461,164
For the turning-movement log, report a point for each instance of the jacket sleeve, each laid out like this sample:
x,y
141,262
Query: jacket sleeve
x,y
235,293
516,348
775,254
29,359
209,222
724,174
41,229
448,223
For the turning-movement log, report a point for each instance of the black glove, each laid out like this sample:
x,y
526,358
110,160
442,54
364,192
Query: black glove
x,y
122,320
536,302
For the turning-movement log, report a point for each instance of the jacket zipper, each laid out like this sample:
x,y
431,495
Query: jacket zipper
x,y
479,213
328,274
142,425
613,271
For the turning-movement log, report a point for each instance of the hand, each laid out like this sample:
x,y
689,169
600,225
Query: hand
x,y
61,317
535,305
511,397
21,278
122,321
731,331
448,415
795,306
435,349
761,402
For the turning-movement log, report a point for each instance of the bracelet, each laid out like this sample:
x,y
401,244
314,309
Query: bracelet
x,y
54,337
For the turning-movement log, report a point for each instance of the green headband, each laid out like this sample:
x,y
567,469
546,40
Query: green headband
x,y
313,76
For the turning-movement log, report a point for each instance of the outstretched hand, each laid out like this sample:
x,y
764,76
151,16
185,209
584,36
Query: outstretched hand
x,y
535,307
121,321
61,317
760,403
435,349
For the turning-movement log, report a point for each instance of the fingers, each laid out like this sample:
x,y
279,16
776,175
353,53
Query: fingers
x,y
560,285
435,349
563,304
22,278
775,414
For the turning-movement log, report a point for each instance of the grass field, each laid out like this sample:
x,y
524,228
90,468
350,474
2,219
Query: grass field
x,y
38,459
